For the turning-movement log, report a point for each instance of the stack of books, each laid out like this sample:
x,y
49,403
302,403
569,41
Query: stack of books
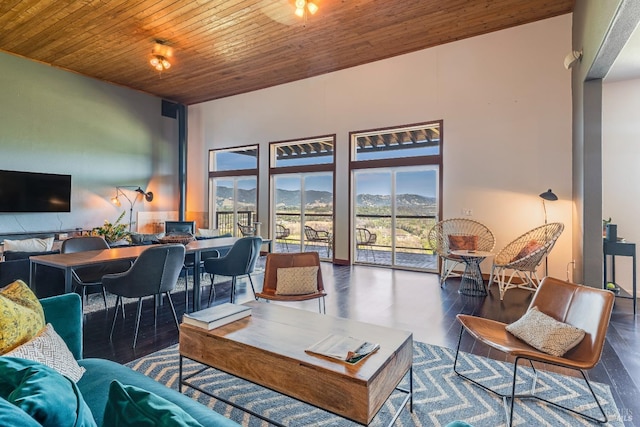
x,y
214,317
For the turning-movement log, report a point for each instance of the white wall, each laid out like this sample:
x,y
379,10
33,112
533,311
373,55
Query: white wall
x,y
620,166
506,105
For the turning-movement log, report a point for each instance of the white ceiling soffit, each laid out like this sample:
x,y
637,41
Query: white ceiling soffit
x,y
627,64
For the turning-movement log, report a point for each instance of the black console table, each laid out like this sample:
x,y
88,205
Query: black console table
x,y
620,249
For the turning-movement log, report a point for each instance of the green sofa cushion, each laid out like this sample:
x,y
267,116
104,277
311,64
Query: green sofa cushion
x,y
48,397
132,406
11,415
96,381
64,312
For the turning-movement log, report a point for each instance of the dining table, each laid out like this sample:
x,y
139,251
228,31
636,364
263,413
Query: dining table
x,y
68,262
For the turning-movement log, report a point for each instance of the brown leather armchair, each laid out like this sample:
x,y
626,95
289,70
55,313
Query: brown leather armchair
x,y
580,306
284,260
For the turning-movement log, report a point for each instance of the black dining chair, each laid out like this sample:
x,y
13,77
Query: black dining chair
x,y
239,261
154,273
91,276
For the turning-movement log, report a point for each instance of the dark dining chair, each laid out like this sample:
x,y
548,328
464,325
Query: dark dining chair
x,y
154,273
239,261
91,276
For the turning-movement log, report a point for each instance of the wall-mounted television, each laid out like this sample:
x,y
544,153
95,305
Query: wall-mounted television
x,y
22,192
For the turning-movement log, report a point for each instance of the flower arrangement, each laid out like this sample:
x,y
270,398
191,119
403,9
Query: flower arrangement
x,y
113,232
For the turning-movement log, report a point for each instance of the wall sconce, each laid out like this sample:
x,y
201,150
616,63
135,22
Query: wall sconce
x,y
572,59
148,196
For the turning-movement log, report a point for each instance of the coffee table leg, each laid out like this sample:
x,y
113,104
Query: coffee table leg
x,y
180,375
411,388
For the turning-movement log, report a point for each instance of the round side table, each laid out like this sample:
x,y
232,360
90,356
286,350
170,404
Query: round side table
x,y
472,283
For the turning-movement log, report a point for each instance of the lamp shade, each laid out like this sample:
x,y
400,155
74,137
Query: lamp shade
x,y
549,195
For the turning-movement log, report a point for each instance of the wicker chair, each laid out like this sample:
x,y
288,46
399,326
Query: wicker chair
x,y
523,256
443,234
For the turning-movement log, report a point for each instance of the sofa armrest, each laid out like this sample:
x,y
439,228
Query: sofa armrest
x,y
64,312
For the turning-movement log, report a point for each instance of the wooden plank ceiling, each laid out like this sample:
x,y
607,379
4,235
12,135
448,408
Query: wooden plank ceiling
x,y
227,47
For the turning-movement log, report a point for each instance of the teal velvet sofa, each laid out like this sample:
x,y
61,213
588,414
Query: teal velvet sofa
x,y
64,312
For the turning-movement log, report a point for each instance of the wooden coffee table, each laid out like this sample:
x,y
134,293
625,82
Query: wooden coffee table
x,y
267,348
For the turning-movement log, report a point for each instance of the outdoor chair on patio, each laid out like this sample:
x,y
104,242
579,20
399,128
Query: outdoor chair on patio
x,y
366,239
522,257
155,272
282,233
91,276
304,284
246,230
458,234
312,236
239,261
577,307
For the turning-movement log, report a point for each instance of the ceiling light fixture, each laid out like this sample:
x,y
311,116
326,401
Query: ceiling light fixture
x,y
160,56
302,6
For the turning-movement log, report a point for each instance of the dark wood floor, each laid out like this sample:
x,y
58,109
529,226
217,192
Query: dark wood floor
x,y
401,299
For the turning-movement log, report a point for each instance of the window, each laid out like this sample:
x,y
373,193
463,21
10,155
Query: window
x,y
302,195
395,187
233,188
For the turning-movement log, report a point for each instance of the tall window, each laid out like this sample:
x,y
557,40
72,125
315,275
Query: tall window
x,y
395,186
233,189
302,195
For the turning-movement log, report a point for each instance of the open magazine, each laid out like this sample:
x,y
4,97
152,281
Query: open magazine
x,y
348,349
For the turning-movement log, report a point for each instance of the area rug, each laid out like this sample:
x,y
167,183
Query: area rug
x,y
440,396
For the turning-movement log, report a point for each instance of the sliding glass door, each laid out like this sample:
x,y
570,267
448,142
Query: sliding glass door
x,y
304,200
394,210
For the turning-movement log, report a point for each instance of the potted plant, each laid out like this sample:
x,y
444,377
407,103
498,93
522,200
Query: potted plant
x,y
113,233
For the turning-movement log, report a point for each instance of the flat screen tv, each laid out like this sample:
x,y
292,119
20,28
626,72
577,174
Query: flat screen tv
x,y
22,192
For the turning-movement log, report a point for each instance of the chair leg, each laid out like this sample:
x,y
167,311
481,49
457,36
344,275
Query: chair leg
x,y
104,297
83,295
186,290
252,288
115,315
173,310
212,291
233,289
139,312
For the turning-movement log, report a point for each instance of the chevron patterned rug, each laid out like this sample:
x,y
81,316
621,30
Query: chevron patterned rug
x,y
440,396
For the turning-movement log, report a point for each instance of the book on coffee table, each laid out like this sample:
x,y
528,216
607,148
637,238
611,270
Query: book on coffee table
x,y
347,349
214,317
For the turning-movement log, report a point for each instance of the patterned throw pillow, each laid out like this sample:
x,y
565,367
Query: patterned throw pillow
x,y
546,333
529,248
49,349
29,245
21,315
297,280
460,242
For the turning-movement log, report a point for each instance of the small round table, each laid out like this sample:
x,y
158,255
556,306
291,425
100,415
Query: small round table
x,y
472,283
